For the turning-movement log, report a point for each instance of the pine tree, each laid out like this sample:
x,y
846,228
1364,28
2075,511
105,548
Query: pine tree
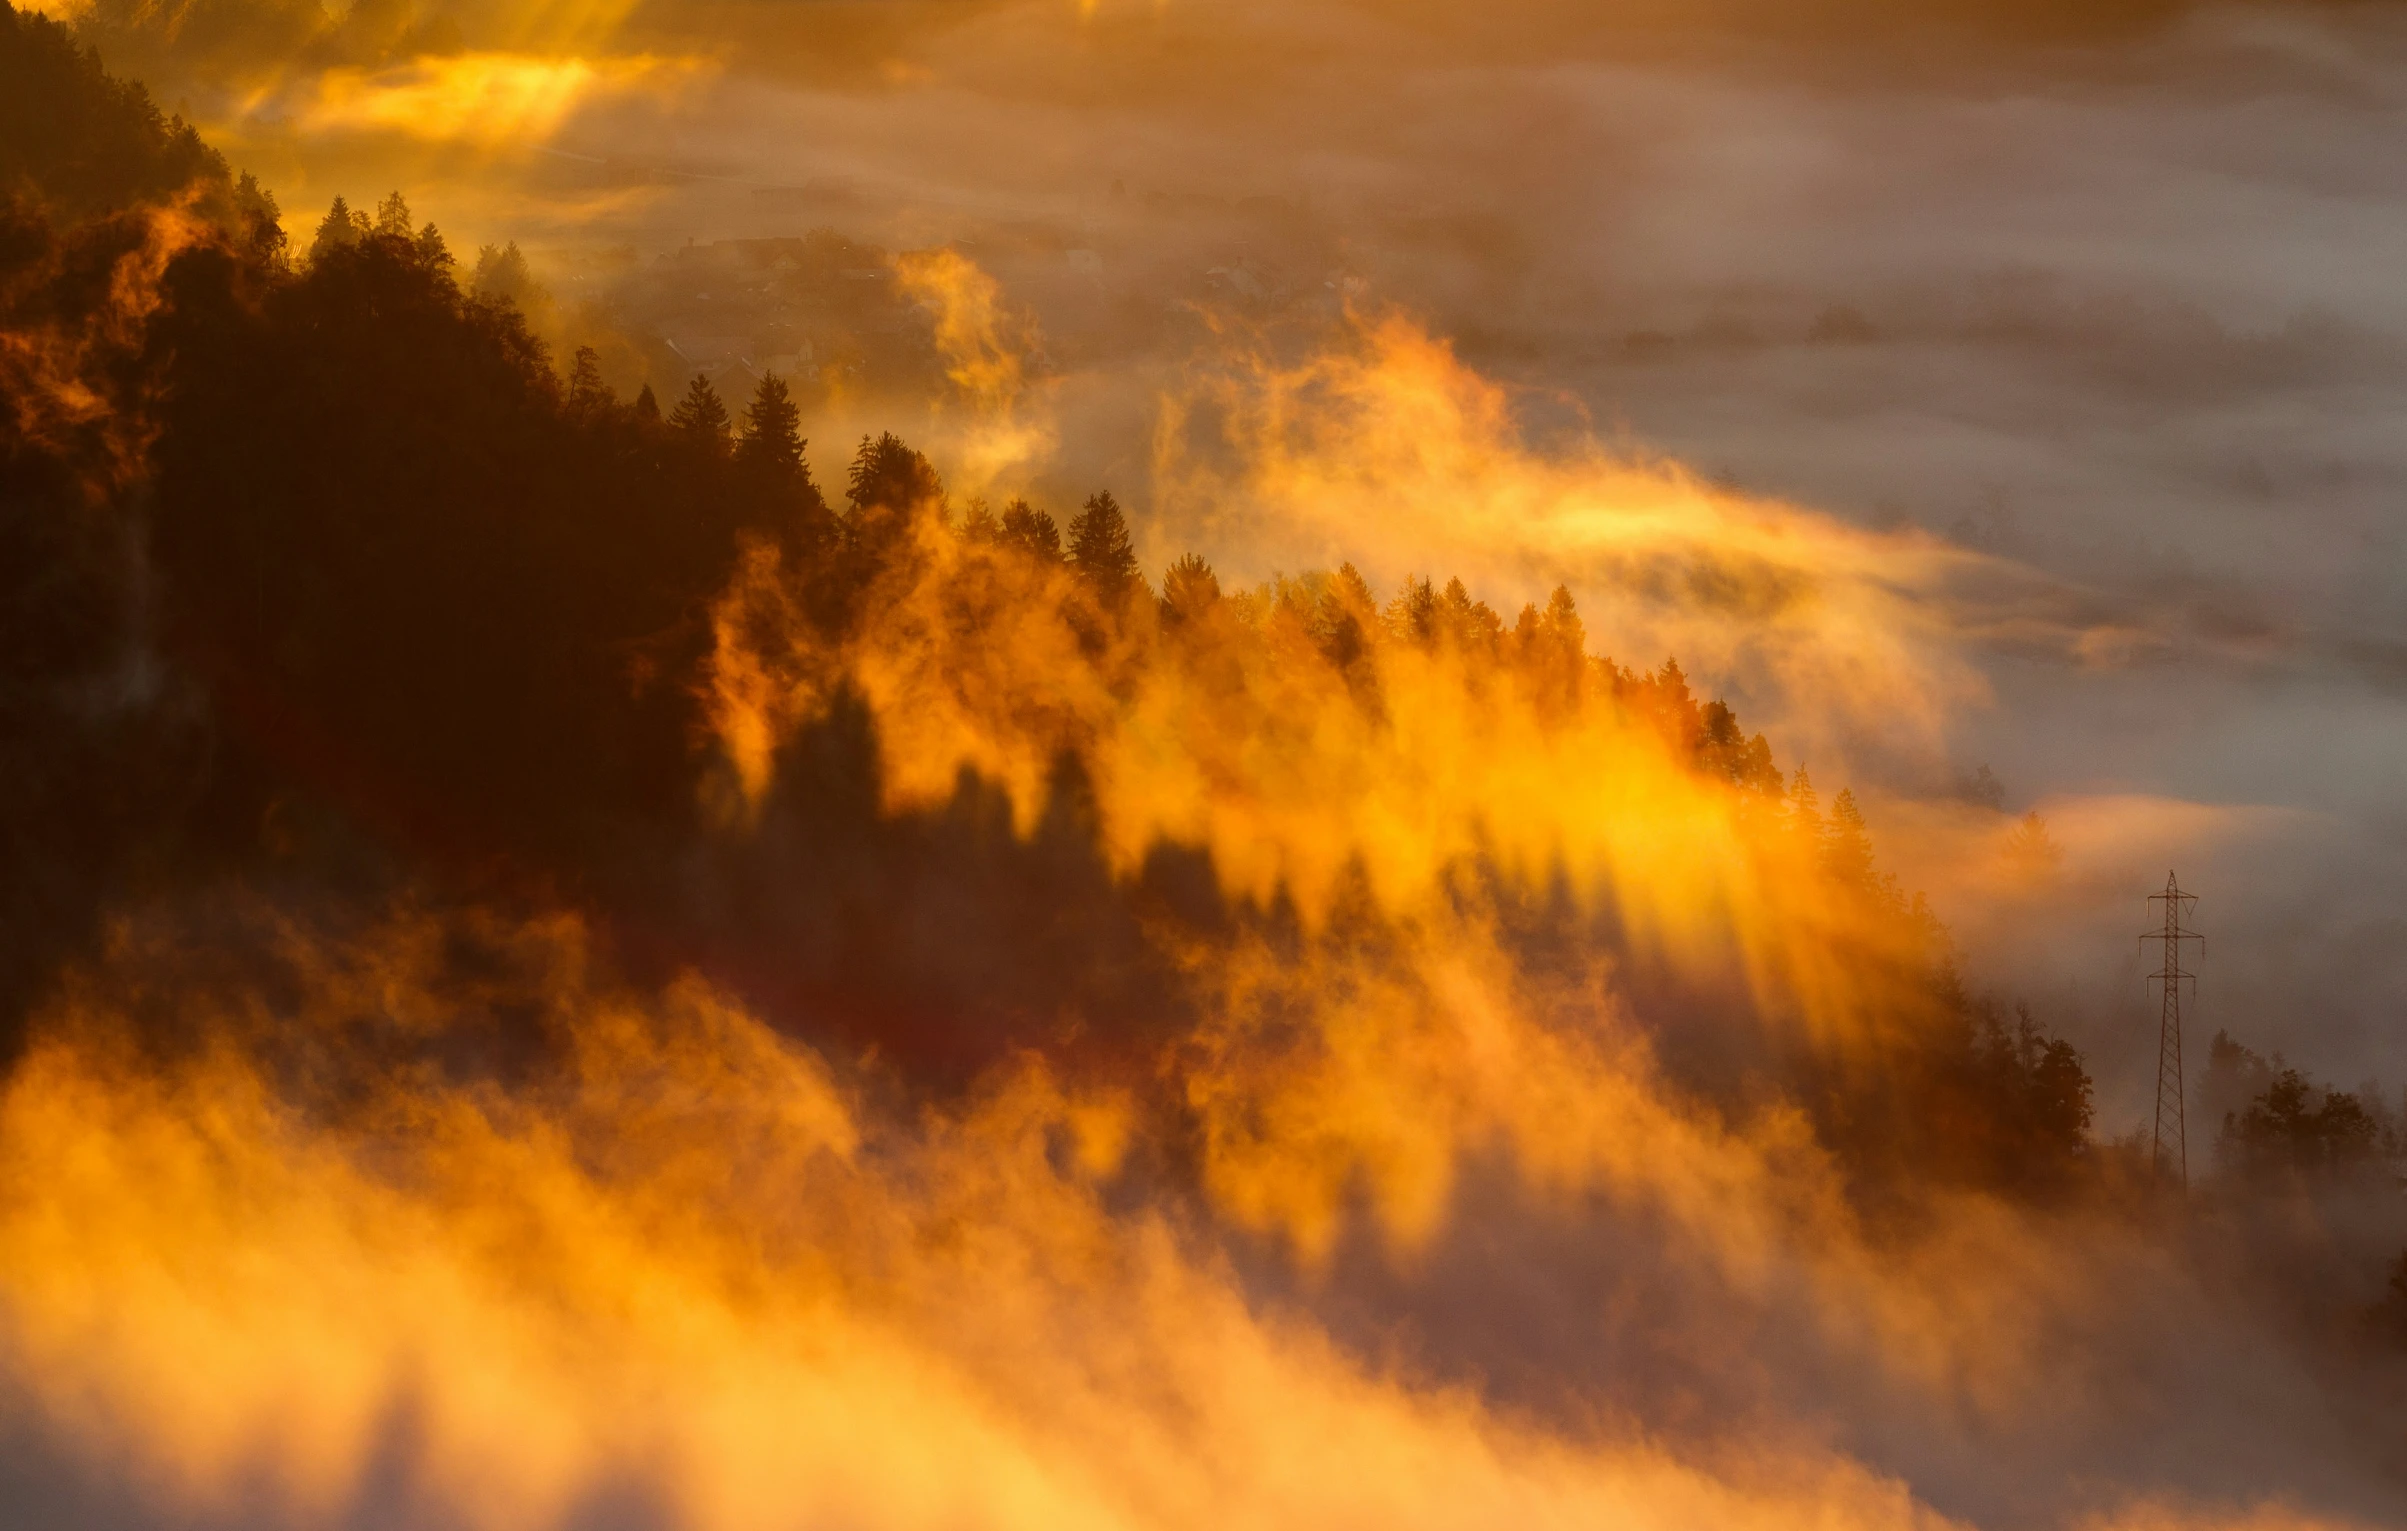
x,y
2031,850
502,275
1562,623
888,487
700,416
432,252
1031,531
1344,618
1413,615
1100,548
340,229
1552,646
1189,590
1465,623
978,524
647,406
393,217
1352,592
772,443
588,396
889,479
1805,812
1846,844
262,219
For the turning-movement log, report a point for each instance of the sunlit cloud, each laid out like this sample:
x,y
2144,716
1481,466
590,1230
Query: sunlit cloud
x,y
985,344
486,100
1388,446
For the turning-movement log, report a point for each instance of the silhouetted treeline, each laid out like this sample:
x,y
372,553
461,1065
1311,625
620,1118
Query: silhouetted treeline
x,y
2268,1120
334,580
100,745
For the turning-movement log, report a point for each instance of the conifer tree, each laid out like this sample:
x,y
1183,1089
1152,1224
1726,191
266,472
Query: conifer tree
x,y
1189,590
432,252
1563,623
772,443
1847,844
502,275
700,417
978,523
588,396
340,229
1344,617
647,406
888,478
1100,548
393,217
1352,591
1552,646
1413,614
262,219
1031,531
2031,849
1805,811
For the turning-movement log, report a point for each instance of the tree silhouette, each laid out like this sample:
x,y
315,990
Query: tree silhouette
x,y
589,398
91,144
887,486
1189,590
2298,1126
700,417
887,477
1805,812
1343,621
1847,845
459,613
771,447
433,252
503,276
393,217
1031,531
978,523
1100,548
340,229
1413,615
261,222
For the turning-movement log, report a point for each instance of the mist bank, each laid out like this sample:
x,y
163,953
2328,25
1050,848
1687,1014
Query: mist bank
x,y
579,955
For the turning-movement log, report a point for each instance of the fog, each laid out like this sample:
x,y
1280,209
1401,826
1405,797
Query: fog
x,y
2072,341
2117,304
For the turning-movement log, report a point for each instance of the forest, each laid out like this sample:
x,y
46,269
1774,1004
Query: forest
x,y
383,592
338,615
428,606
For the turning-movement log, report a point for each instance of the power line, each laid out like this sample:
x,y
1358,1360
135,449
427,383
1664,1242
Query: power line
x,y
2172,1147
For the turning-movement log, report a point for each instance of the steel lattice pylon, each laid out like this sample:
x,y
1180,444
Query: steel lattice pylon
x,y
2172,1148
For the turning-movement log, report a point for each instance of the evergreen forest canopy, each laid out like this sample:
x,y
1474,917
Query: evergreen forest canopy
x,y
340,617
433,608
429,607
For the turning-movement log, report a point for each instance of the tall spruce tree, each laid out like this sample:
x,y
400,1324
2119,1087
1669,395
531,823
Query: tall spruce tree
x,y
1100,548
1189,590
700,417
771,447
340,229
1031,531
1847,844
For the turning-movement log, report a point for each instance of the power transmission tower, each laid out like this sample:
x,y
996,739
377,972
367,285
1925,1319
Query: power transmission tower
x,y
2172,1132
